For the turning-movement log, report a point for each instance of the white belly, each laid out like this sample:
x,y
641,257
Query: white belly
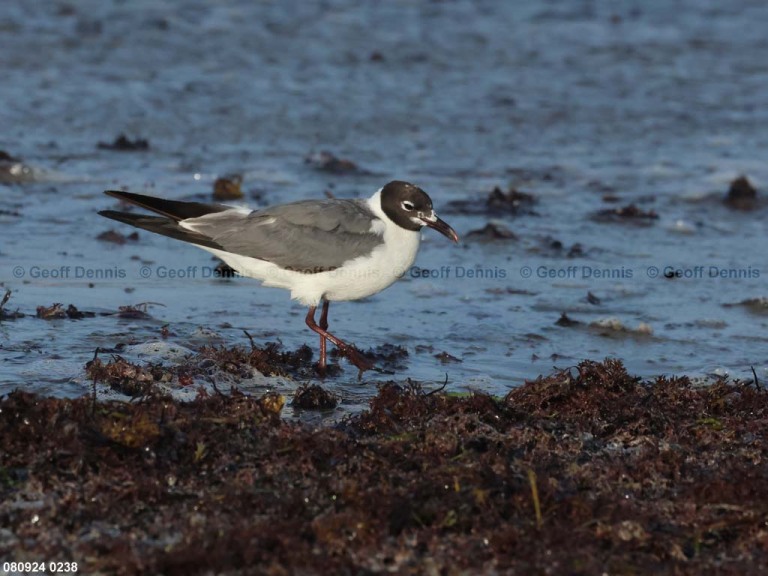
x,y
366,276
358,278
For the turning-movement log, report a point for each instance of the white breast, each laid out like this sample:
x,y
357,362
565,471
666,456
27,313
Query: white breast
x,y
370,274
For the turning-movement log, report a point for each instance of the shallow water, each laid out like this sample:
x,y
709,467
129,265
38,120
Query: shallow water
x,y
569,102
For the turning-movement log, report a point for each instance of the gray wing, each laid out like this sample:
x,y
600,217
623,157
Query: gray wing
x,y
308,236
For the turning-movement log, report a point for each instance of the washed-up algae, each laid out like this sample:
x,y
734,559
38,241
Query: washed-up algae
x,y
586,471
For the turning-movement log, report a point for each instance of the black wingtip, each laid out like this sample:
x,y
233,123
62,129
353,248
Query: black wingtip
x,y
130,197
124,217
173,209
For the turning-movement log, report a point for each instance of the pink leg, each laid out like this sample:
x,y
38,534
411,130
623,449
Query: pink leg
x,y
351,353
323,341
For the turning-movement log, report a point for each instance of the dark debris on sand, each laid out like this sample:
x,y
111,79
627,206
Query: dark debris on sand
x,y
228,188
56,311
13,170
497,203
124,144
206,365
566,321
140,380
136,311
386,357
629,214
492,231
754,305
587,471
555,247
118,237
741,194
5,157
325,161
314,397
53,312
4,313
75,314
126,378
447,358
270,360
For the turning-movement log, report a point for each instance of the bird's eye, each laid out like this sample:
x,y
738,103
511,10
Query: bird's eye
x,y
407,205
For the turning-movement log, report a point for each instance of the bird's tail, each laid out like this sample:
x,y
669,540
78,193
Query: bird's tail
x,y
159,225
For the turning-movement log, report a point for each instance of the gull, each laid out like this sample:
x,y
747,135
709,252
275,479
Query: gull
x,y
323,251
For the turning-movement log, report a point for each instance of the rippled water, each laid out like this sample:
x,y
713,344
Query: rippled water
x,y
572,102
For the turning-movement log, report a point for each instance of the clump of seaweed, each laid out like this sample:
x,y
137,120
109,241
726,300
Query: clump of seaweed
x,y
125,377
589,470
123,143
314,397
228,187
511,202
629,214
326,161
742,195
270,359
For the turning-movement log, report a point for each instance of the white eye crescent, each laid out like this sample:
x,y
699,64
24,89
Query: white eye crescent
x,y
407,205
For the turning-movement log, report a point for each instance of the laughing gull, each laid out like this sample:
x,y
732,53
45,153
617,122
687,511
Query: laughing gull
x,y
320,250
